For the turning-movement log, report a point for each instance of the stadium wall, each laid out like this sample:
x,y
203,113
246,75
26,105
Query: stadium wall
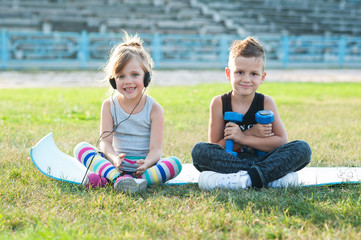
x,y
72,50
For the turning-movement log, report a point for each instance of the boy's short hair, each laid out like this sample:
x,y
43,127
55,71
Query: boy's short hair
x,y
249,47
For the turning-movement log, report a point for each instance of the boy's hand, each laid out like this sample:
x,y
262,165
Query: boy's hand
x,y
233,132
261,130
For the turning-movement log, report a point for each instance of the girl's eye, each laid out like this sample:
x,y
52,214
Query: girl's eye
x,y
135,75
120,77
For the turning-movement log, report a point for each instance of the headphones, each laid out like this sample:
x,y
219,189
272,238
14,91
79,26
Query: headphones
x,y
147,78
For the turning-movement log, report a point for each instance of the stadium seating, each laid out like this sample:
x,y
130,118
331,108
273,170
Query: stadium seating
x,y
161,16
292,17
243,17
179,33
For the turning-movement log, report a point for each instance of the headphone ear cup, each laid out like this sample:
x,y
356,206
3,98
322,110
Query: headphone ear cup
x,y
147,78
113,83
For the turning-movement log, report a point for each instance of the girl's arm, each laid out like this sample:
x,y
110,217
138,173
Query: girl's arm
x,y
156,139
277,135
106,131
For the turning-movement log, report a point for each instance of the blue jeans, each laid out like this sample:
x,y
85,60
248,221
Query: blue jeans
x,y
290,157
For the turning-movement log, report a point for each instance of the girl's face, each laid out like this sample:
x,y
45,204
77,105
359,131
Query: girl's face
x,y
246,74
130,80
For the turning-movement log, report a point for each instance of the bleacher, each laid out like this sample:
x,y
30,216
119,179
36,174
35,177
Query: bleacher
x,y
161,16
179,33
291,17
244,17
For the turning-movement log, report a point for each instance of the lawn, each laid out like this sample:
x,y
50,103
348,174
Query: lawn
x,y
33,206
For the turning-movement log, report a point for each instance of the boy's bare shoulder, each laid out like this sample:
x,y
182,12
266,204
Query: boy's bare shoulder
x,y
216,100
268,101
267,98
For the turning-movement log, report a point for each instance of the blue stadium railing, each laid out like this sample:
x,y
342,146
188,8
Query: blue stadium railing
x,y
66,50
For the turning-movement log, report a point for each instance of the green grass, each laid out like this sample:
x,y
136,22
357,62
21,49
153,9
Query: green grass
x,y
33,206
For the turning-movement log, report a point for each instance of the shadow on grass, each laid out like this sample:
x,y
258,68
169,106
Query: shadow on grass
x,y
322,206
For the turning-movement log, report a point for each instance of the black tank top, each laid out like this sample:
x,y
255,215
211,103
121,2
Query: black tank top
x,y
249,118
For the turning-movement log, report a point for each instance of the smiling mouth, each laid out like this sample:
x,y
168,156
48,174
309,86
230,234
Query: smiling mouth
x,y
246,86
129,89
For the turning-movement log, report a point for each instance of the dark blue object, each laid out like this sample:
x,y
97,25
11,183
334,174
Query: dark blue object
x,y
232,117
264,117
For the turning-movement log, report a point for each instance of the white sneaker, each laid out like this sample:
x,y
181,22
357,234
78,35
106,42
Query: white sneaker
x,y
290,179
129,184
209,180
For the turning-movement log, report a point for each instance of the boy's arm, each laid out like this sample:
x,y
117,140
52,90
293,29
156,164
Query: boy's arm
x,y
216,122
266,144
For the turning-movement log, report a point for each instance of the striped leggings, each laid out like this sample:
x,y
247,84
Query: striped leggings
x,y
164,170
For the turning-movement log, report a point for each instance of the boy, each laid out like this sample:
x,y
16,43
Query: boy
x,y
220,169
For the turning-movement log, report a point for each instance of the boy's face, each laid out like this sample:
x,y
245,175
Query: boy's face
x,y
245,74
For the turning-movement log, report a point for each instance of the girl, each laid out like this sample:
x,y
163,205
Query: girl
x,y
131,125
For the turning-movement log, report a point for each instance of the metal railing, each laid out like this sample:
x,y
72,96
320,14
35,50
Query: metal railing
x,y
67,50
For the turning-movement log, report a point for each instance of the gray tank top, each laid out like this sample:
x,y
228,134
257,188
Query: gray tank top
x,y
132,136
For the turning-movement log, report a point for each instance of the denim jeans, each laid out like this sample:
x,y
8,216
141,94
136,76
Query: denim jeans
x,y
287,158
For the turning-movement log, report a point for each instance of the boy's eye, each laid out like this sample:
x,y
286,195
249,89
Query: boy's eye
x,y
240,72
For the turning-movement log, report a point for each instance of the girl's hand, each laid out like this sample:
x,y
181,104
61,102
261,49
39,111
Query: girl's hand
x,y
142,166
233,132
119,160
261,130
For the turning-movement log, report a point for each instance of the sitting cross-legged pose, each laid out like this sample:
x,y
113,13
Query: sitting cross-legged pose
x,y
131,127
241,166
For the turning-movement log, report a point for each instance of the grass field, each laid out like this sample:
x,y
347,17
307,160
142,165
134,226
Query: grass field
x,y
33,206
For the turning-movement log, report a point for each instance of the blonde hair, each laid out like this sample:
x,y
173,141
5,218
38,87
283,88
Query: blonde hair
x,y
130,47
249,47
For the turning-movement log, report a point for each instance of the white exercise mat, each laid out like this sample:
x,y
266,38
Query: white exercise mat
x,y
308,176
52,162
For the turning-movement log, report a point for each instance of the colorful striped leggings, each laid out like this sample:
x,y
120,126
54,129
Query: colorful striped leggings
x,y
164,170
